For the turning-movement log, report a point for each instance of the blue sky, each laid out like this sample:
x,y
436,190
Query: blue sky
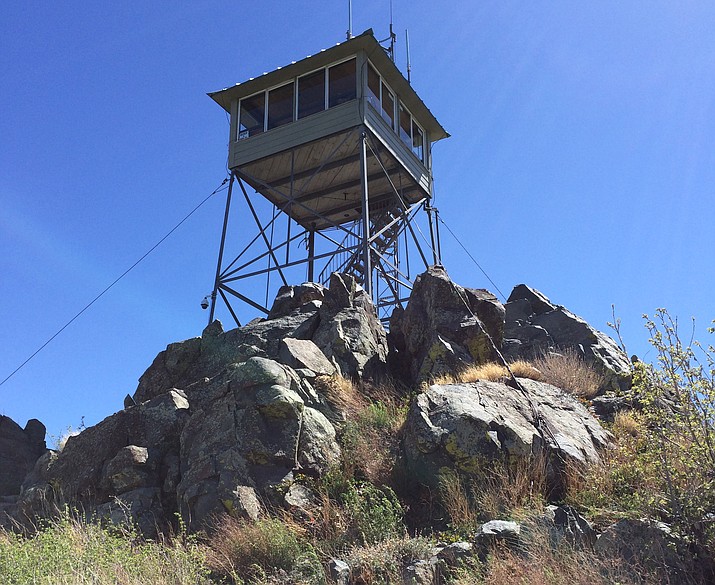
x,y
581,162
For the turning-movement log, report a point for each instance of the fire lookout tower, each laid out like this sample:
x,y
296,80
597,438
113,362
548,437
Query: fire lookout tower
x,y
339,144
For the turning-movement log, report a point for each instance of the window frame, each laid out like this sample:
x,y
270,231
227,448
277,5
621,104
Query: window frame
x,y
268,91
327,81
297,93
239,132
399,107
422,147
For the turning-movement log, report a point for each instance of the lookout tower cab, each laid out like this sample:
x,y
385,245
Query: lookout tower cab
x,y
340,144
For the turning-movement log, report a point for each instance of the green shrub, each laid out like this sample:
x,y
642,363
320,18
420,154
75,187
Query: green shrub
x,y
376,514
678,397
663,462
383,561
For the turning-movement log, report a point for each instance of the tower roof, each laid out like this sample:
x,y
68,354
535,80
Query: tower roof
x,y
376,54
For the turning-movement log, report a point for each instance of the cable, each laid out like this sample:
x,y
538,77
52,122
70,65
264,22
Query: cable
x,y
127,271
472,257
538,419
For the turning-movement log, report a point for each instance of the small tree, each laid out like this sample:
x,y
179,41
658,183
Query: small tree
x,y
678,398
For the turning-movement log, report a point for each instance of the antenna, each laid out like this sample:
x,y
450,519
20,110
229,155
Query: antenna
x,y
407,47
350,19
392,36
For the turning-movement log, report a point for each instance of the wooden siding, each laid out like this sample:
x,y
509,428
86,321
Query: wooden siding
x,y
313,127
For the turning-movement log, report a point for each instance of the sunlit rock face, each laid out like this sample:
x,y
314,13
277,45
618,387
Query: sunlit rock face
x,y
535,326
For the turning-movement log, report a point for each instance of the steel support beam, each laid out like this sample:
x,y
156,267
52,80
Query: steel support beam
x,y
220,250
311,255
263,234
367,284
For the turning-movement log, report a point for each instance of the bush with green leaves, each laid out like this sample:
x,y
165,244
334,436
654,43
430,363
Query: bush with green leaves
x,y
663,462
678,397
376,513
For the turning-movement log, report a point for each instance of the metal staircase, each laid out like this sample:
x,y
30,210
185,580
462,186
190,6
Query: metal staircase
x,y
386,225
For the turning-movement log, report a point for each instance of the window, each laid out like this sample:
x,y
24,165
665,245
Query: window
x,y
311,93
388,106
280,106
373,87
252,117
341,83
418,141
405,126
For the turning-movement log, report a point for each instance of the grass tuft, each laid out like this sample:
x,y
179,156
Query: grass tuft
x,y
523,369
255,551
490,372
503,490
567,370
70,551
539,561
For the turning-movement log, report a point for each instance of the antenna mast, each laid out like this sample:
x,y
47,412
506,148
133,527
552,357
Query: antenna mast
x,y
350,19
407,47
392,36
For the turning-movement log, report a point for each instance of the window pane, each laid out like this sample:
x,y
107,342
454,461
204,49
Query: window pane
x,y
252,115
405,126
388,106
418,141
311,93
341,83
373,87
280,106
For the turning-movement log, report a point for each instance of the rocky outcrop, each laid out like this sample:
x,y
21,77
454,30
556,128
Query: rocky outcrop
x,y
565,523
349,332
444,328
290,298
340,321
534,326
220,421
467,426
19,450
230,421
254,436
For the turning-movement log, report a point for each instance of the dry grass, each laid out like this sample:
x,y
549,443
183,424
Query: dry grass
x,y
252,551
626,423
509,488
457,501
539,562
490,372
71,551
627,479
373,417
568,371
523,369
382,562
370,442
342,394
503,490
330,524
